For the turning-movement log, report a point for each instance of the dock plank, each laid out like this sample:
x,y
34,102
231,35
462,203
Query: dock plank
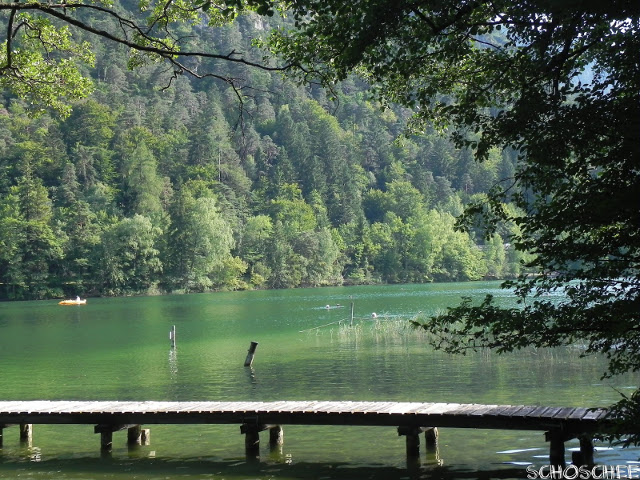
x,y
594,414
91,407
448,408
63,407
38,406
276,406
517,411
404,408
564,413
300,407
537,412
481,410
550,412
578,413
321,407
383,407
464,410
336,407
370,408
120,407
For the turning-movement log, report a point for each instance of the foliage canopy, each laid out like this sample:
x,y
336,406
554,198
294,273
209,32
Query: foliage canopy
x,y
558,82
145,189
42,61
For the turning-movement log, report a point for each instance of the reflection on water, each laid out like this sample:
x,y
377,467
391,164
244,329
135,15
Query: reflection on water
x,y
173,363
116,349
152,468
251,376
335,452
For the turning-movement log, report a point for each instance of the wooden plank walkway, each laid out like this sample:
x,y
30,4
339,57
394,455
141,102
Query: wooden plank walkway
x,y
570,419
560,423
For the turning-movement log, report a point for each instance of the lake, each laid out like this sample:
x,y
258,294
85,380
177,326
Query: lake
x,y
119,349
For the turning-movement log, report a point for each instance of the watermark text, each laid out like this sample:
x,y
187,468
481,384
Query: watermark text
x,y
574,472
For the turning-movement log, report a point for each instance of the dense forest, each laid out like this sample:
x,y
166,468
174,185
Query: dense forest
x,y
152,186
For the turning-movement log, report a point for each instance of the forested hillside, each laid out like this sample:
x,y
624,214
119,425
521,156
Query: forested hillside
x,y
146,189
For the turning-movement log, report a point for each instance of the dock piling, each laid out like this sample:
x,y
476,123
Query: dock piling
x,y
251,433
26,433
250,354
556,440
106,441
431,438
276,436
586,450
412,439
172,336
584,457
252,442
134,435
413,444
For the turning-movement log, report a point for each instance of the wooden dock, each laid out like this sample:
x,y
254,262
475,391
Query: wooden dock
x,y
411,419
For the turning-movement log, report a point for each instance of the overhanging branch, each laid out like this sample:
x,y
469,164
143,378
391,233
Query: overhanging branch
x,y
156,45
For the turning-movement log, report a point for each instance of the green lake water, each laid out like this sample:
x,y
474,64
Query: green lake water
x,y
119,349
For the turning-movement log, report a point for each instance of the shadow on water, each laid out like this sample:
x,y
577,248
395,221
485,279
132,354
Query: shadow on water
x,y
140,462
236,469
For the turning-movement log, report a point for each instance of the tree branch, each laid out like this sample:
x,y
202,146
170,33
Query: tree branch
x,y
163,50
12,17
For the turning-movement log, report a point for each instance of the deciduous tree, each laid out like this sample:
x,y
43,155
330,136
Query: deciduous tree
x,y
558,83
129,260
201,242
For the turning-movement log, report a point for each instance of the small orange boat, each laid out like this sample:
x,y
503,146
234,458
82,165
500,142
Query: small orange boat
x,y
77,301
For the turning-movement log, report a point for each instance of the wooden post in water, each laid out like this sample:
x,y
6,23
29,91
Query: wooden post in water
x,y
134,435
431,438
106,441
276,436
26,433
555,438
412,438
251,439
585,456
250,354
586,450
413,445
145,436
106,434
172,336
432,452
351,324
252,445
